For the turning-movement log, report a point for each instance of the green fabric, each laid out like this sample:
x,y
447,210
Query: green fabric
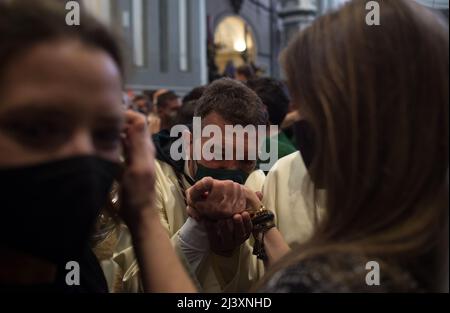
x,y
285,146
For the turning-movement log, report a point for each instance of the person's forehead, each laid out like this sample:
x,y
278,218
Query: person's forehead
x,y
216,119
67,73
229,134
175,102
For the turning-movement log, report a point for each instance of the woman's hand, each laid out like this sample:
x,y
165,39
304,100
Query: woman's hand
x,y
254,200
160,269
274,244
138,180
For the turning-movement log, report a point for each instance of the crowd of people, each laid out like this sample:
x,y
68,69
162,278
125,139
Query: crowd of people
x,y
87,175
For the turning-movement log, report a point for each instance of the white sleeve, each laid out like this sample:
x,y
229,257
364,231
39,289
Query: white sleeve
x,y
193,242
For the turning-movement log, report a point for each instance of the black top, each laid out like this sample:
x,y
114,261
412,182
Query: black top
x,y
92,279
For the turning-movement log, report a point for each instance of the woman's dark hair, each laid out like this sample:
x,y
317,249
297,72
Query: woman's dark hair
x,y
25,23
377,98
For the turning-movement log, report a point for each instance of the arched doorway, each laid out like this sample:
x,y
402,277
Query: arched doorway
x,y
235,42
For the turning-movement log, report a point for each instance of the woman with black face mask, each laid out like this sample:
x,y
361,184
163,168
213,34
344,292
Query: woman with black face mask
x,y
62,132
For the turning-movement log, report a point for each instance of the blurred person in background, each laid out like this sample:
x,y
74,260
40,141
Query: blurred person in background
x,y
153,118
277,104
186,113
168,105
142,104
156,94
230,70
245,73
194,94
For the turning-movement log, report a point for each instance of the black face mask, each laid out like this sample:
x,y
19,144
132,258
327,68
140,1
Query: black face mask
x,y
49,210
237,176
304,136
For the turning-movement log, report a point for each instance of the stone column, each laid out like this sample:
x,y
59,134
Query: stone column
x,y
295,15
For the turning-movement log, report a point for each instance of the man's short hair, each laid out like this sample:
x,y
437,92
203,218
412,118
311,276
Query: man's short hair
x,y
165,98
140,97
194,94
273,96
186,113
246,70
234,102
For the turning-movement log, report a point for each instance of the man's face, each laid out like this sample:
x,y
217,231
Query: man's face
x,y
241,77
229,143
142,106
170,110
